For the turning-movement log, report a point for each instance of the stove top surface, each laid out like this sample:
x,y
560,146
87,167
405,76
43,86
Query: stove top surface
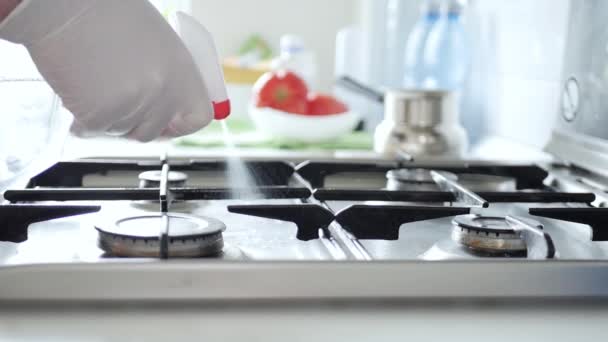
x,y
97,217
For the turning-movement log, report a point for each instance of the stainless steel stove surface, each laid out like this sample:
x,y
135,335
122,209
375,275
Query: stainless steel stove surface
x,y
311,229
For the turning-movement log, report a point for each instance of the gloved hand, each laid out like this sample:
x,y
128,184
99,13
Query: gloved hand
x,y
117,66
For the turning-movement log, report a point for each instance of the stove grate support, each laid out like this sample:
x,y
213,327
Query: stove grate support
x,y
15,219
596,218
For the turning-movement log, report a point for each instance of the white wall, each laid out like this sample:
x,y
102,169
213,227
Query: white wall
x,y
515,86
317,21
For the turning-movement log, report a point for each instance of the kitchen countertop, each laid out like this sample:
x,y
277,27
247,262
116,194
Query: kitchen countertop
x,y
117,148
491,148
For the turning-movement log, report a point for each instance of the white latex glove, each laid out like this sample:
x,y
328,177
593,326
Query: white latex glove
x,y
118,67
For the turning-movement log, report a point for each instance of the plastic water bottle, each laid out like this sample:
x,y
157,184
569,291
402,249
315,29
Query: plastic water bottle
x,y
296,58
401,15
414,71
446,54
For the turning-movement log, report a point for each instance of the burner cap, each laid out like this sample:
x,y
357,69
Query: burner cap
x,y
414,179
138,236
415,175
487,234
151,179
484,182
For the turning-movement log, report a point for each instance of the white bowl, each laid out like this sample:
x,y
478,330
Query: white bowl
x,y
303,128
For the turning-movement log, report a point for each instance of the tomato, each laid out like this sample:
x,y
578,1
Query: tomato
x,y
282,90
320,104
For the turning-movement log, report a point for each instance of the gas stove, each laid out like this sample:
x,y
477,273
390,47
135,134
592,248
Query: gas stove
x,y
172,229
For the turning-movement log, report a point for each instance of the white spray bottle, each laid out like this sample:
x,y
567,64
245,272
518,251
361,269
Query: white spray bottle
x,y
200,43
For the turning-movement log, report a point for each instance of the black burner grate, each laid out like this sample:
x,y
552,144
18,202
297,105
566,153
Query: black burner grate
x,y
63,182
309,218
527,176
72,173
596,218
444,196
151,194
363,222
15,219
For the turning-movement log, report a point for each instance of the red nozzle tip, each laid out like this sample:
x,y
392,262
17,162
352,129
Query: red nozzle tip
x,y
221,110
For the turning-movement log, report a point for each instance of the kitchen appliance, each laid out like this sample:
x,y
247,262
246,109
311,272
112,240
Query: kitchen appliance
x,y
321,245
581,134
307,229
410,124
420,123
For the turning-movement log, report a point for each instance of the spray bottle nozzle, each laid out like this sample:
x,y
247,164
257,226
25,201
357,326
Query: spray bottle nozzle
x,y
221,110
201,46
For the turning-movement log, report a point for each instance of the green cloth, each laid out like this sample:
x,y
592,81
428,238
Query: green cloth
x,y
244,135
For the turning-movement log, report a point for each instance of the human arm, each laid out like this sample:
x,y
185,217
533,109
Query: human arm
x,y
117,66
6,7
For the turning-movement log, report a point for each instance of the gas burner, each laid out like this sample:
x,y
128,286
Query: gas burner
x,y
414,179
422,180
483,182
449,250
151,179
138,236
487,234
